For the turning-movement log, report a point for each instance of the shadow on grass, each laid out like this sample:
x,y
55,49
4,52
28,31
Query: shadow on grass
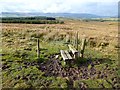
x,y
95,61
43,49
40,60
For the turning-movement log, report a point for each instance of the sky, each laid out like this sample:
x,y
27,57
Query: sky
x,y
98,7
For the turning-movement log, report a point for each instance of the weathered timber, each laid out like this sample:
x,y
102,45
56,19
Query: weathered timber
x,y
82,48
67,38
68,55
76,40
65,55
74,51
38,49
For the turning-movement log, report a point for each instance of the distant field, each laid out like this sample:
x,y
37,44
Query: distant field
x,y
102,19
22,69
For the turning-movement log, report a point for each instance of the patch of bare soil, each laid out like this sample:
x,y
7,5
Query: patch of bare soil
x,y
54,67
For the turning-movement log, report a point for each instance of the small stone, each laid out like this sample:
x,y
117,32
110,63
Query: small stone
x,y
57,56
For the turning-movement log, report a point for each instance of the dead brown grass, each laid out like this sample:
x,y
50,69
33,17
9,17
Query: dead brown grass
x,y
101,31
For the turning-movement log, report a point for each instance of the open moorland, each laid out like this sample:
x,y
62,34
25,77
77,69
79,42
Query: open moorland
x,y
97,69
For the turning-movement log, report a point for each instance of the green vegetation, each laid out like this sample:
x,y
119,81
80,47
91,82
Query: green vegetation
x,y
22,69
31,20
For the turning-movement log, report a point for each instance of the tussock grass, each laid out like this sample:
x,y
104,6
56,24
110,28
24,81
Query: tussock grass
x,y
19,47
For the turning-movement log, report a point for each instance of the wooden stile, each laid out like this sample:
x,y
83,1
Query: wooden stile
x,y
82,47
65,54
68,55
74,51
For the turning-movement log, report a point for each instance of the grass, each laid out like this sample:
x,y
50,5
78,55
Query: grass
x,y
19,47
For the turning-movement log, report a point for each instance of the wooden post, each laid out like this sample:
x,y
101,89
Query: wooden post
x,y
76,56
82,47
74,42
74,51
77,40
70,38
67,38
38,49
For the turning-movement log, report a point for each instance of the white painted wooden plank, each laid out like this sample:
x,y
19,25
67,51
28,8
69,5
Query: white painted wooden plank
x,y
74,51
68,55
63,55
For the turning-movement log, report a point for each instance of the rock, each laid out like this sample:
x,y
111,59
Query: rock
x,y
57,56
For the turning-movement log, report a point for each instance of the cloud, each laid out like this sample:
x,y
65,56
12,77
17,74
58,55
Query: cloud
x,y
98,8
59,6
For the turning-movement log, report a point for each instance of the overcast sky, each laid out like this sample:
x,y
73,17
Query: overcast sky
x,y
98,7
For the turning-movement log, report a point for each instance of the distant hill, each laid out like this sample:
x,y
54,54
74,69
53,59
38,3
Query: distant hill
x,y
66,15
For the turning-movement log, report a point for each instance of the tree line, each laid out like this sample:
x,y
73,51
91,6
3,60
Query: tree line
x,y
31,20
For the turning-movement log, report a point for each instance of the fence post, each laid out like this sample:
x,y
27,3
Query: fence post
x,y
38,49
82,47
77,40
67,38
